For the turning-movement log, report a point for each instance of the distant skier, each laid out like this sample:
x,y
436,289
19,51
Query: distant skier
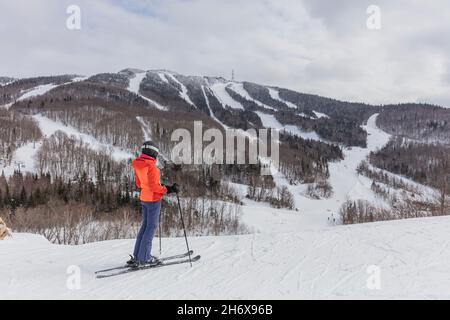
x,y
152,191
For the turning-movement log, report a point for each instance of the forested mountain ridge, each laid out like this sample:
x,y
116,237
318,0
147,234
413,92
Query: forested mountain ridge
x,y
68,140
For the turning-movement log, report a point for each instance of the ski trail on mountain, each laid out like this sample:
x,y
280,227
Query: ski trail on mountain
x,y
210,110
49,127
135,87
219,90
346,182
274,94
145,128
240,90
184,92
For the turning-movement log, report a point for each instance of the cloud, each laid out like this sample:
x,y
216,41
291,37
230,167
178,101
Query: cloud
x,y
311,46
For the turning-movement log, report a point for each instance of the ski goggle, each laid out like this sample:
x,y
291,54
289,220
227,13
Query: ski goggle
x,y
150,147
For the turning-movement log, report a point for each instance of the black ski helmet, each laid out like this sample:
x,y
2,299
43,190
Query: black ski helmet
x,y
150,149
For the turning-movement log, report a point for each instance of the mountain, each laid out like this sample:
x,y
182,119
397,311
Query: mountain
x,y
85,129
66,143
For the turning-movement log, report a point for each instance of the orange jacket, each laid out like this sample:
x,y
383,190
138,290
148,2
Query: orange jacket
x,y
148,179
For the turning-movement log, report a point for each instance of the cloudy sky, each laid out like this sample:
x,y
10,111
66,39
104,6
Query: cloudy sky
x,y
314,46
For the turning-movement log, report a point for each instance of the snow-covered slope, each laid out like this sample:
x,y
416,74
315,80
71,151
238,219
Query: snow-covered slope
x,y
218,88
183,92
23,159
239,89
49,127
269,121
276,95
328,263
39,90
135,85
346,182
210,110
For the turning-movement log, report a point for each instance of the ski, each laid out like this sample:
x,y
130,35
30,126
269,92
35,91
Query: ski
x,y
150,266
177,256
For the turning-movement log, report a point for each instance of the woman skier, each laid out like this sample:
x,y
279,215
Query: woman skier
x,y
148,180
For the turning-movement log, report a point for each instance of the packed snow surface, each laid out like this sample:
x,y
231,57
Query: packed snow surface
x,y
330,263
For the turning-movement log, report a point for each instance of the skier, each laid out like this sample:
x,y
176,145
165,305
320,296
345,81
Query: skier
x,y
152,191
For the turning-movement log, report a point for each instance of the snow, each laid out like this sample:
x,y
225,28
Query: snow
x,y
135,85
269,121
276,96
320,115
43,89
239,89
346,182
184,91
80,78
218,88
7,106
49,127
210,110
145,128
303,115
163,77
23,157
37,91
328,263
288,254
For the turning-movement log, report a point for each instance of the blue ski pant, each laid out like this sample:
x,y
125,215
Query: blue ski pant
x,y
150,220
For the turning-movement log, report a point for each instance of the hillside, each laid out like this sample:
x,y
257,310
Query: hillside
x,y
66,145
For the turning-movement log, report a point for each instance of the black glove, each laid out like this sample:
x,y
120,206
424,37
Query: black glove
x,y
173,189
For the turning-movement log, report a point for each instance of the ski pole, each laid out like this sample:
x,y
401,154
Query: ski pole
x,y
184,229
160,247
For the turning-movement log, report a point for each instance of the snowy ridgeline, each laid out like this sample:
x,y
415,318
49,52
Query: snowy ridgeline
x,y
404,259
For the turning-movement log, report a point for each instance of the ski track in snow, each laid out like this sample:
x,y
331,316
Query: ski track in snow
x,y
135,85
330,263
